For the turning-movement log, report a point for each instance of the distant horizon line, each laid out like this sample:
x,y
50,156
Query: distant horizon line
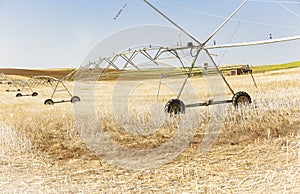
x,y
53,68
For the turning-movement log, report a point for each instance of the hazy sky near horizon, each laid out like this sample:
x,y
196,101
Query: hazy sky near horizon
x,y
61,33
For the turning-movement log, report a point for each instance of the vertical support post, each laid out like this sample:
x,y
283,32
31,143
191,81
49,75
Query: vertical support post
x,y
182,87
218,70
159,84
55,89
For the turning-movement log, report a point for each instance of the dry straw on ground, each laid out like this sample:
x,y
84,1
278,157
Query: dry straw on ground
x,y
258,149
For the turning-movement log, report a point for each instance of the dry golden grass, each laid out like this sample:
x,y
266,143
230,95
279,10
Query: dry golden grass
x,y
58,73
258,149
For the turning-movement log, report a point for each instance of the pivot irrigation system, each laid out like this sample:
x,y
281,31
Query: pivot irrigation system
x,y
19,86
156,54
57,85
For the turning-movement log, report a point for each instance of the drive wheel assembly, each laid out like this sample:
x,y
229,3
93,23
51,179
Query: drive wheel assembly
x,y
175,106
49,102
19,95
75,99
34,94
241,98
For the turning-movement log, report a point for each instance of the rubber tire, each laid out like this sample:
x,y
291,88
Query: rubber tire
x,y
34,94
49,102
75,99
241,98
19,95
175,106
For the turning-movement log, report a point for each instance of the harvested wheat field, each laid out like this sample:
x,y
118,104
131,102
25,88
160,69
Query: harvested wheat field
x,y
256,148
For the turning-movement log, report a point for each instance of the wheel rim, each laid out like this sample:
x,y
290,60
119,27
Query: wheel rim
x,y
175,107
75,99
243,100
48,102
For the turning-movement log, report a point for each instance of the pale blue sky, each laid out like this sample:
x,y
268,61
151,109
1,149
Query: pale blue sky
x,y
60,33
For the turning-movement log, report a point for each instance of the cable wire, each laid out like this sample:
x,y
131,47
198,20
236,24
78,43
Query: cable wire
x,y
235,19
